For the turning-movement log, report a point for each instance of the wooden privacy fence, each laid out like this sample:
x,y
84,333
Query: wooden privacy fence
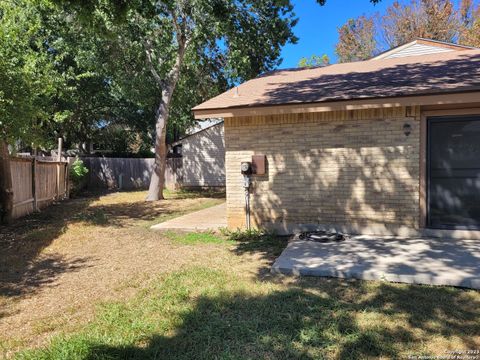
x,y
127,173
36,184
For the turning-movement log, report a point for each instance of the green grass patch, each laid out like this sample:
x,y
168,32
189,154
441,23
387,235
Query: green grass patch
x,y
246,235
196,238
201,313
256,241
94,216
194,194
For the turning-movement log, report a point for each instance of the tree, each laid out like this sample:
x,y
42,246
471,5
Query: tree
x,y
76,67
44,91
469,23
27,80
402,23
314,61
217,43
83,55
356,40
431,19
102,84
231,40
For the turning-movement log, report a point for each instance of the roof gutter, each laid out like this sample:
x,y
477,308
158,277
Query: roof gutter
x,y
465,97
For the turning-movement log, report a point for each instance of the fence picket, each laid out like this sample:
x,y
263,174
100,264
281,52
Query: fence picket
x,y
127,173
36,184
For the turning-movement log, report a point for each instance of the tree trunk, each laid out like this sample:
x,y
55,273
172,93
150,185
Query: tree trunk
x,y
157,180
6,190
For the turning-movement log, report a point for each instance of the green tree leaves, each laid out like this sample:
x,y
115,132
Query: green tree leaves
x,y
314,60
27,78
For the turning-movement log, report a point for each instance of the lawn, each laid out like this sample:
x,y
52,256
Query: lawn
x,y
91,281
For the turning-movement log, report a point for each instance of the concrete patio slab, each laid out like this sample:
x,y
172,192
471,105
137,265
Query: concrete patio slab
x,y
407,260
211,218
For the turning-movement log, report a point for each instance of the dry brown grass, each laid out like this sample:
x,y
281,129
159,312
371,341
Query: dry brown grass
x,y
55,266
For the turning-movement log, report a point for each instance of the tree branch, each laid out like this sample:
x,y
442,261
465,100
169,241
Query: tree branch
x,y
149,52
184,39
178,27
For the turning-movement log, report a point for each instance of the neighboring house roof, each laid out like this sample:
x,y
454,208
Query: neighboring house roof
x,y
440,73
421,46
200,125
178,142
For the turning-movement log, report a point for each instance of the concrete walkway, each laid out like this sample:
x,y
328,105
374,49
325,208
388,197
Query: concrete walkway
x,y
407,260
211,218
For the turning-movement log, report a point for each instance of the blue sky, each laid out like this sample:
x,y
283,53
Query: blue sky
x,y
317,26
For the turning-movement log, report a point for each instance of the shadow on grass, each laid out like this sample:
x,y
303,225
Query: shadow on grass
x,y
285,325
447,311
38,273
22,270
127,213
315,318
268,246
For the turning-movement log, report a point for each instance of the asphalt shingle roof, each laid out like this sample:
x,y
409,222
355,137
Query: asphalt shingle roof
x,y
450,72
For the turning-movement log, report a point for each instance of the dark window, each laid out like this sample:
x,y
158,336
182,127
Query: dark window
x,y
454,172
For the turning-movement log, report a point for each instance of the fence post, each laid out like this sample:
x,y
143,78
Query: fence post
x,y
59,158
34,185
57,187
6,186
65,181
67,176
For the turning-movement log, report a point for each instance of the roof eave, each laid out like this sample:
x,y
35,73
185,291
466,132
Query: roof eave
x,y
451,98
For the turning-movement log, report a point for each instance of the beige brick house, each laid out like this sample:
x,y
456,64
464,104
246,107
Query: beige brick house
x,y
385,146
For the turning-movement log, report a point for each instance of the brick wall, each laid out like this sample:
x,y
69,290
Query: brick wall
x,y
203,159
352,170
